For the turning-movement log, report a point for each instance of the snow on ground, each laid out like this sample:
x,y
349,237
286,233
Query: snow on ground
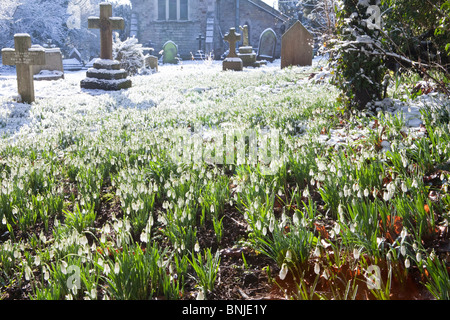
x,y
65,99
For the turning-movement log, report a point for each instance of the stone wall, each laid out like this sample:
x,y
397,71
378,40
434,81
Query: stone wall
x,y
256,15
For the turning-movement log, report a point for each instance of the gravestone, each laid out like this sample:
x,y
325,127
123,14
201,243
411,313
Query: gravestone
x,y
75,54
72,65
53,68
267,45
106,73
232,61
200,55
296,47
24,57
246,53
151,62
170,52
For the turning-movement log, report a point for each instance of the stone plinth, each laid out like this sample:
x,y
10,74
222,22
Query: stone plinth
x,y
234,64
247,56
106,75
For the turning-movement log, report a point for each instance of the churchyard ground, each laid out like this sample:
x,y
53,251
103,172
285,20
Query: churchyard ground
x,y
109,195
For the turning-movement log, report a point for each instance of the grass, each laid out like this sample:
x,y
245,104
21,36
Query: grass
x,y
94,205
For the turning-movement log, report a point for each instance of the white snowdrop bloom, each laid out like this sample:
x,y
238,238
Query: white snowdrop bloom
x,y
415,184
404,233
106,269
37,261
418,257
116,268
46,275
403,250
196,247
404,187
4,220
317,252
283,271
306,193
407,263
200,295
63,267
356,253
143,237
316,268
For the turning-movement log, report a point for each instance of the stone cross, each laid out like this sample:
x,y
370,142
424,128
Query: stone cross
x,y
232,37
24,57
245,41
200,38
106,23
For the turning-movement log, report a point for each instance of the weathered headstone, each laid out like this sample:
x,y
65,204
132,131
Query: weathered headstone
x,y
246,52
296,47
24,57
170,52
232,61
106,73
151,62
53,68
267,45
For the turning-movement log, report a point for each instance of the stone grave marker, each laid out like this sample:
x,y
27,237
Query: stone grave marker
x,y
75,54
106,73
170,52
267,45
200,55
53,68
296,46
151,62
246,52
232,61
24,57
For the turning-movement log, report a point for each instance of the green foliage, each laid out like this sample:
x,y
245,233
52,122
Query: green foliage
x,y
359,66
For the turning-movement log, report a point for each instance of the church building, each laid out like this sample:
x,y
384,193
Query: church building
x,y
154,22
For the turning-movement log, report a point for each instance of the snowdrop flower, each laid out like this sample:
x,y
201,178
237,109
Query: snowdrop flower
x,y
356,253
200,295
418,257
116,268
63,267
37,261
106,269
317,252
407,263
143,237
283,271
316,268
